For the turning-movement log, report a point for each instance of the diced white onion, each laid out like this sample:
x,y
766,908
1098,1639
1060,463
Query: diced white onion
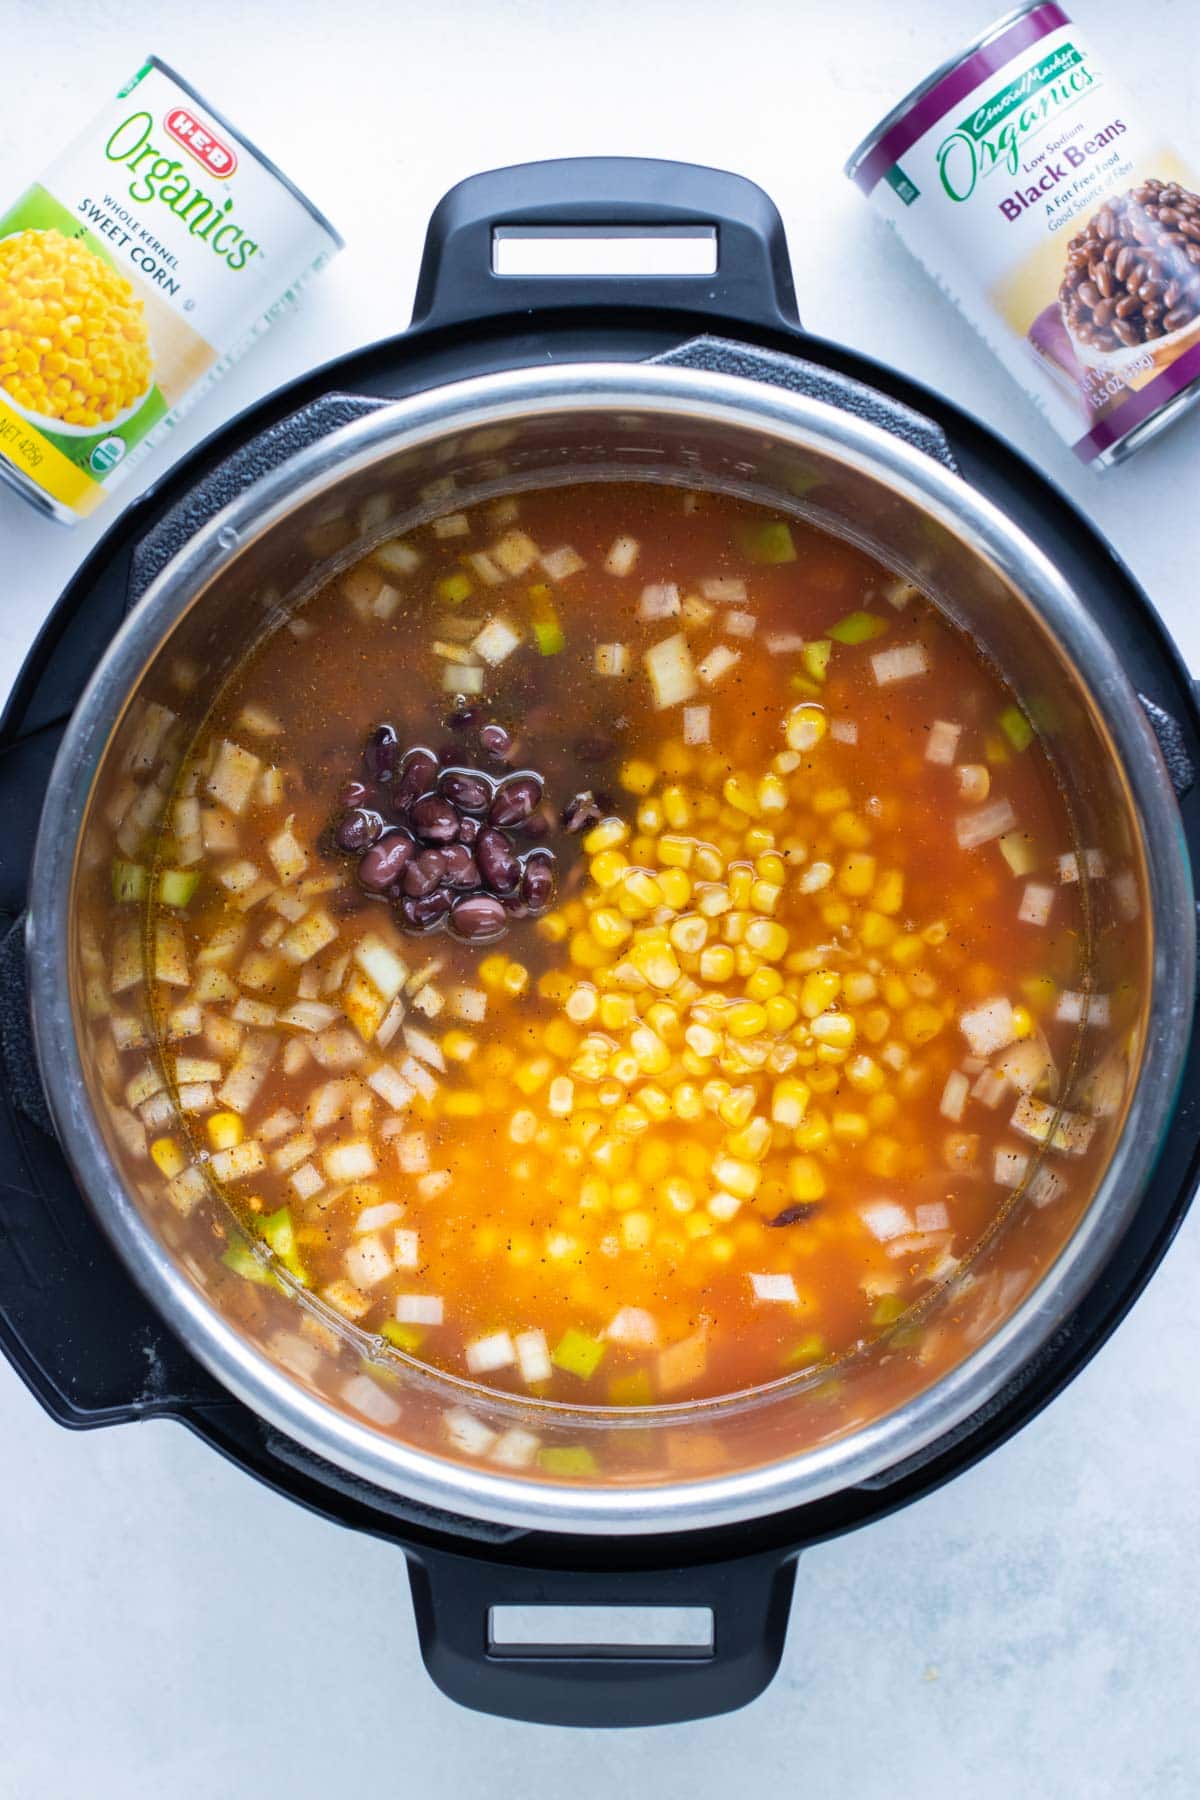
x,y
717,664
418,1077
419,1309
493,1352
533,1356
308,1015
659,600
774,1288
406,1249
697,724
1068,866
724,589
613,659
364,1395
671,670
1009,1166
783,643
901,663
412,1153
374,1218
942,743
622,556
1036,902
427,1048
515,1448
980,827
843,731
885,1219
561,563
452,525
954,1095
740,624
350,1161
989,1027
367,1261
467,1433
933,1216
497,641
990,1088
633,1325
392,1089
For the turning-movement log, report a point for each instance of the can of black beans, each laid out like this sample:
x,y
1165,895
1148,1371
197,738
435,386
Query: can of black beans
x,y
1065,226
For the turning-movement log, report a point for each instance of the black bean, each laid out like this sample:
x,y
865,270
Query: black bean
x,y
434,819
515,799
424,873
468,829
358,830
466,790
386,860
357,793
417,775
478,916
426,910
462,871
498,861
794,1215
538,825
538,879
581,812
382,753
495,741
462,718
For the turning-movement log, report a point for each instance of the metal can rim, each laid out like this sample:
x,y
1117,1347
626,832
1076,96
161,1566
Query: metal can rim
x,y
267,162
979,42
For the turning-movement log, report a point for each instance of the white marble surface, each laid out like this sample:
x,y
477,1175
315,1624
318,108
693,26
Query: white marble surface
x,y
167,1627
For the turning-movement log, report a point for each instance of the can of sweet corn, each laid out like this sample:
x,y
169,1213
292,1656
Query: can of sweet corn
x,y
132,275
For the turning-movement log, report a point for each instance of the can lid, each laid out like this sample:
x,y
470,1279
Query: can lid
x,y
924,104
314,212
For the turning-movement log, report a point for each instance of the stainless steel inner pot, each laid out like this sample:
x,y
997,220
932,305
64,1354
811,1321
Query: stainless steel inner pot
x,y
446,1442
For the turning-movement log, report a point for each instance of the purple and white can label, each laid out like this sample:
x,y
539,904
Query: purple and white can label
x,y
1062,225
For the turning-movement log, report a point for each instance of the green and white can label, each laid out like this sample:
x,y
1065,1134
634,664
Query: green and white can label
x,y
1062,225
132,275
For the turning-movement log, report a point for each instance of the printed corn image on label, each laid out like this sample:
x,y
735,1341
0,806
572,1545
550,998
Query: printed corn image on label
x,y
131,276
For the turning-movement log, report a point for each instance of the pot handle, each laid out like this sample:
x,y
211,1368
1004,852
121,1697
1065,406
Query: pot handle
x,y
605,1683
608,197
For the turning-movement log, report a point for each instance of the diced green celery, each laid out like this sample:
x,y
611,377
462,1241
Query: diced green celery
x,y
566,1459
279,1231
803,684
995,749
402,1337
1016,728
128,881
630,1390
1039,992
808,1351
452,590
857,628
770,543
1019,851
887,1309
815,657
241,1259
578,1353
548,636
176,886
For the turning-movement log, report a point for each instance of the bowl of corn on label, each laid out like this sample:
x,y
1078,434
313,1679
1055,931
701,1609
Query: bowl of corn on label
x,y
132,275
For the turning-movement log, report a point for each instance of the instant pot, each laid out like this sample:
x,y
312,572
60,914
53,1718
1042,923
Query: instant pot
x,y
507,381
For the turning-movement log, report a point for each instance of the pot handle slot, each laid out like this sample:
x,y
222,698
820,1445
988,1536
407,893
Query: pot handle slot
x,y
720,232
618,1679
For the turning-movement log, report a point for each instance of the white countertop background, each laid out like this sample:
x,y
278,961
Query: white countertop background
x,y
170,1628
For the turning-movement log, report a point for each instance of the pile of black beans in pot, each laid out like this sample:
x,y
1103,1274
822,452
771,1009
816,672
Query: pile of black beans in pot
x,y
446,843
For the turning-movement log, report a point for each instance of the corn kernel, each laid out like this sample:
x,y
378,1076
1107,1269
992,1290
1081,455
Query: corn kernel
x,y
782,1013
771,795
883,1157
806,1179
616,1011
882,1109
789,1102
813,1133
168,1157
762,983
767,938
582,1003
532,1074
906,950
735,1106
805,727
689,934
609,834
752,1142
876,1022
770,866
490,971
459,1046
739,792
607,868
675,887
609,928
677,808
650,818
225,1129
656,961
888,896
636,777
1022,1022
462,1103
744,1019
702,1041
515,979
858,987
856,876
553,928
653,1056
641,893
654,1102
637,1229
686,1101
674,852
865,1074
738,1177
922,1023
835,1029
895,992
